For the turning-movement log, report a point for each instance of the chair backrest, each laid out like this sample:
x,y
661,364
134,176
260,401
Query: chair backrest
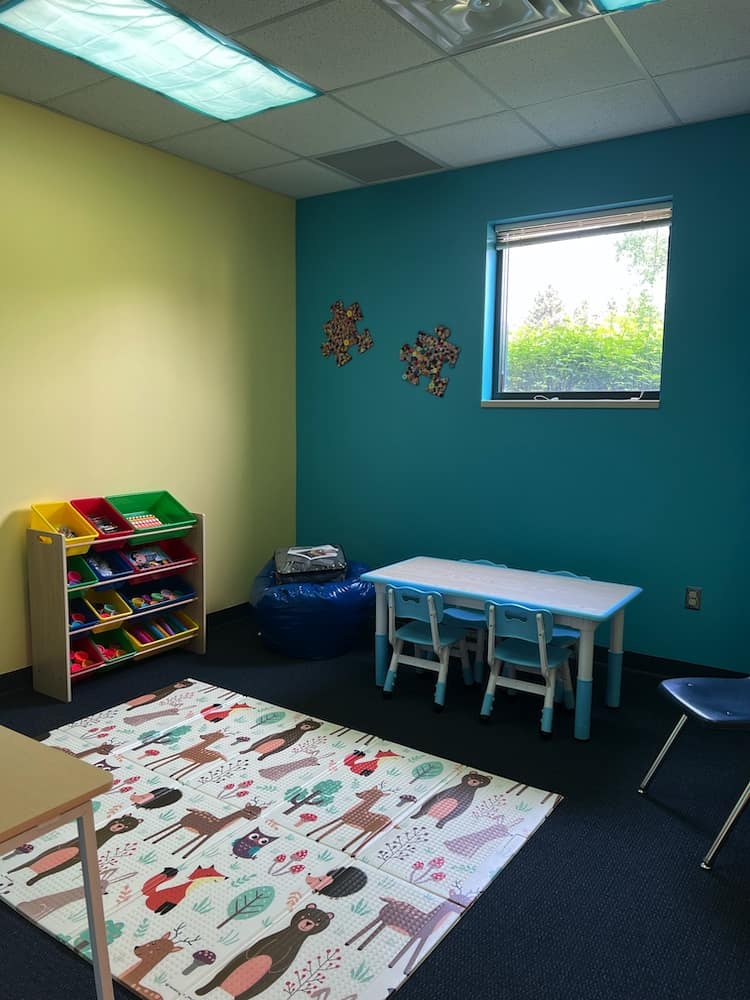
x,y
408,602
563,572
515,621
417,605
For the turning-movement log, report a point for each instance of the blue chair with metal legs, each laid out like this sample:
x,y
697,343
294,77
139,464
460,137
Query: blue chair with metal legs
x,y
475,620
424,627
718,702
521,638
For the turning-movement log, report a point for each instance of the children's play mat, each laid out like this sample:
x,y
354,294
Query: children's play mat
x,y
246,850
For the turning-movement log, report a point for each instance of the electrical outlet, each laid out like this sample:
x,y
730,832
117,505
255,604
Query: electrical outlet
x,y
693,596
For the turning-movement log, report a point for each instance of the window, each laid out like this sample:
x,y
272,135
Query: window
x,y
579,311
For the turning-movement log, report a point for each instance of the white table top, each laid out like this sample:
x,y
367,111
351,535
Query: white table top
x,y
591,599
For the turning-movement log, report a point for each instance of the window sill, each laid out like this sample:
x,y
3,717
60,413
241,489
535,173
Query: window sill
x,y
570,404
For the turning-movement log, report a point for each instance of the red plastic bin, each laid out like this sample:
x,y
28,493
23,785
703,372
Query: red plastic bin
x,y
84,656
98,509
173,551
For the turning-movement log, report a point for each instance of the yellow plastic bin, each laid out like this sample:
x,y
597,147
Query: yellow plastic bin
x,y
107,605
64,519
143,632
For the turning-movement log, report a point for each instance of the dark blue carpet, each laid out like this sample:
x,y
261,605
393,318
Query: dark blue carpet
x,y
606,902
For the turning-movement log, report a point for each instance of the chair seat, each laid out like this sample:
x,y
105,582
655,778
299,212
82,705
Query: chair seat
x,y
720,701
526,654
468,616
420,633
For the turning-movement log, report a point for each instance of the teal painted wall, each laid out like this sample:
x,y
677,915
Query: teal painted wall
x,y
657,498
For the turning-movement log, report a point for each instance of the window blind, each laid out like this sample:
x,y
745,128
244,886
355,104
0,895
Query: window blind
x,y
516,234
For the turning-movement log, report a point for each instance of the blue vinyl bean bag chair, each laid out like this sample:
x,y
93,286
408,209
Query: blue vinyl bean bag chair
x,y
312,621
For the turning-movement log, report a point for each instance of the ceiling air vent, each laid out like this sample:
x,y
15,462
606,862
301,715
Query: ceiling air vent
x,y
382,162
458,25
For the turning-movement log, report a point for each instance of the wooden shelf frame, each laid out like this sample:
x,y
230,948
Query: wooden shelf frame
x,y
48,600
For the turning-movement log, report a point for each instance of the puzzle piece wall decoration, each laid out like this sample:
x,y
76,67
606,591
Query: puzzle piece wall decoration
x,y
430,352
342,333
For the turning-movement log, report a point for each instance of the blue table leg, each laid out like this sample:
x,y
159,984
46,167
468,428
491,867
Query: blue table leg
x,y
584,685
614,660
582,728
381,635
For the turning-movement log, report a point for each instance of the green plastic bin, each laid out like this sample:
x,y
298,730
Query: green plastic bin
x,y
153,515
80,574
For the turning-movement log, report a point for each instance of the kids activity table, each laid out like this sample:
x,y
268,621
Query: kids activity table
x,y
42,788
582,604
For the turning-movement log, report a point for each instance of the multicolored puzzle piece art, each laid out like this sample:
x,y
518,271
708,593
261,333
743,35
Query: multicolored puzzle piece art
x,y
430,352
342,333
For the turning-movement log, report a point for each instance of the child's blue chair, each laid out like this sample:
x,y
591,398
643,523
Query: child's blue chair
x,y
475,620
425,627
717,702
521,638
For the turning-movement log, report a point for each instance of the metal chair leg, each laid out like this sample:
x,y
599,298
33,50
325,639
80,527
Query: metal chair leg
x,y
731,819
646,780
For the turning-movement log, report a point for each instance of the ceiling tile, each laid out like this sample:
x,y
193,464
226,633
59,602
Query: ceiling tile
x,y
571,60
712,92
604,114
300,179
340,43
381,162
496,137
229,16
35,72
129,110
224,147
686,33
422,98
312,127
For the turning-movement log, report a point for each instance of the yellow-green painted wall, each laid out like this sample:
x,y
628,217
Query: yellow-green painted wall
x,y
147,342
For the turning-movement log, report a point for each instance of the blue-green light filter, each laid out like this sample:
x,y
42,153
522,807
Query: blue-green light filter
x,y
146,42
612,6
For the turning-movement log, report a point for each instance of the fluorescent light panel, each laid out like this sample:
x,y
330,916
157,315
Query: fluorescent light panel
x,y
460,25
146,42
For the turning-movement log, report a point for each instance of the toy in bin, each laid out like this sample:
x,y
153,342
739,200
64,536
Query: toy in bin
x,y
83,656
310,564
162,596
143,521
110,652
151,557
103,524
79,615
154,629
104,610
80,659
107,566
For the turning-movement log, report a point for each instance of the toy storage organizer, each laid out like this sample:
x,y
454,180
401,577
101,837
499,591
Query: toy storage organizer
x,y
112,580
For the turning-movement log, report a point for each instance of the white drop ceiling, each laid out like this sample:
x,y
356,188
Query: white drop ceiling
x,y
381,81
